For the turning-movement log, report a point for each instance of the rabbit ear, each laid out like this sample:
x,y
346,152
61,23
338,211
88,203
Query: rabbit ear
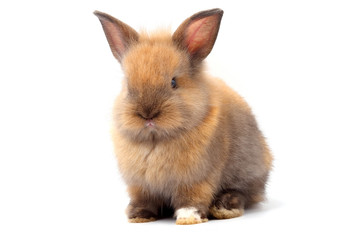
x,y
119,35
198,33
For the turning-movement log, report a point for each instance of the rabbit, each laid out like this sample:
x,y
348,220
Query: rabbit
x,y
186,144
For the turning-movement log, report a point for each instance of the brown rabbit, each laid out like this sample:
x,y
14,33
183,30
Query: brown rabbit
x,y
185,142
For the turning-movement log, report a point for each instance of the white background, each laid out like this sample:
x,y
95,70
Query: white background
x,y
296,62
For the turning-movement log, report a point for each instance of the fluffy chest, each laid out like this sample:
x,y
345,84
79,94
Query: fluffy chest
x,y
164,165
161,165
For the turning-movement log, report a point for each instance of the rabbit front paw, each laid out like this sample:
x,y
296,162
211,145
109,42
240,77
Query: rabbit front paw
x,y
187,216
140,215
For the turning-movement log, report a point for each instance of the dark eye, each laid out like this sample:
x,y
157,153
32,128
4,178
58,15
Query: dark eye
x,y
173,82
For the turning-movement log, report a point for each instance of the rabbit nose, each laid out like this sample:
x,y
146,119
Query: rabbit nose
x,y
148,115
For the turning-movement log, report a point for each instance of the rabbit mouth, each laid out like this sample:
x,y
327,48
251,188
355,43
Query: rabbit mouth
x,y
149,117
150,123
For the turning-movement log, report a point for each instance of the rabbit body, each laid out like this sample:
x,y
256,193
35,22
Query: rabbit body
x,y
192,146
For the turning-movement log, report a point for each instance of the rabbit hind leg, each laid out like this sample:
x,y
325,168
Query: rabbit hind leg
x,y
228,204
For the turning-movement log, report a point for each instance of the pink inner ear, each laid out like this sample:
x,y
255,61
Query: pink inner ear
x,y
114,37
199,34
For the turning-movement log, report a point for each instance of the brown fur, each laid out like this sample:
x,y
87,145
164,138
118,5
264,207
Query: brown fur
x,y
205,148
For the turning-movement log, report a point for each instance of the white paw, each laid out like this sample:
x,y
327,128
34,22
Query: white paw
x,y
189,215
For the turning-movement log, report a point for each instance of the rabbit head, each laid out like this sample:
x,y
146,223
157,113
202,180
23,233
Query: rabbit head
x,y
164,91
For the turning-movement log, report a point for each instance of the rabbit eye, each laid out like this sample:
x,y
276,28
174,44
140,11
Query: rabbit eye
x,y
173,83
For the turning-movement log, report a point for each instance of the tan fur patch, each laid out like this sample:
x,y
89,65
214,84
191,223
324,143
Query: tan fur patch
x,y
141,220
223,213
257,198
200,193
189,221
268,158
